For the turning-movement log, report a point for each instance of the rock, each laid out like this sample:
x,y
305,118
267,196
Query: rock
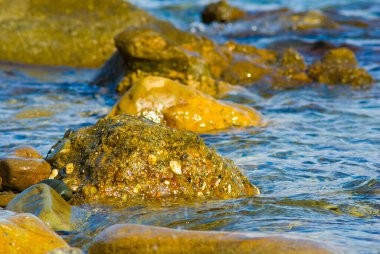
x,y
6,197
68,32
178,106
19,173
34,113
45,203
60,187
26,152
221,12
25,233
339,66
129,238
123,159
160,49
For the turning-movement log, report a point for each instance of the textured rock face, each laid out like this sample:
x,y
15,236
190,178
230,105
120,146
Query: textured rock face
x,y
22,168
182,107
339,66
221,12
125,159
43,202
66,32
129,238
26,234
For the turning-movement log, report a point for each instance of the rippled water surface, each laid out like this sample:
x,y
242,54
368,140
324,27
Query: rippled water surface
x,y
317,163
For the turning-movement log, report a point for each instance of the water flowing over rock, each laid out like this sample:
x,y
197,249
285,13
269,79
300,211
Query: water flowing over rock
x,y
123,159
129,238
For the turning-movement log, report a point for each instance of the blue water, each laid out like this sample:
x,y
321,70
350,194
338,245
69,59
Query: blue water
x,y
317,163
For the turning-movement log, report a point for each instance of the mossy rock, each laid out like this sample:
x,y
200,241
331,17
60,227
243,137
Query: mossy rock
x,y
126,159
339,66
67,32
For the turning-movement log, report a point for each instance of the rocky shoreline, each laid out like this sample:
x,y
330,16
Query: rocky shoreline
x,y
171,85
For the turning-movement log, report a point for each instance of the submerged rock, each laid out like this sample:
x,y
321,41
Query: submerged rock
x,y
25,233
221,12
124,159
129,238
45,203
66,32
339,66
22,168
168,102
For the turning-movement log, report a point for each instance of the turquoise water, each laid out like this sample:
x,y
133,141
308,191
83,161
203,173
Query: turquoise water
x,y
317,163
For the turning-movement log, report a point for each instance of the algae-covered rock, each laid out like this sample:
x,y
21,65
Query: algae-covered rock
x,y
160,49
45,203
129,238
168,102
26,234
66,32
221,12
339,66
124,159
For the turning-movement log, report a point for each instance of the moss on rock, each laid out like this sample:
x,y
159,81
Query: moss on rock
x,y
125,159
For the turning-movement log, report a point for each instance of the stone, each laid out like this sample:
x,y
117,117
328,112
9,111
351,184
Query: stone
x,y
25,233
339,66
66,250
168,102
221,12
68,32
6,197
19,173
60,187
113,164
130,238
26,152
45,203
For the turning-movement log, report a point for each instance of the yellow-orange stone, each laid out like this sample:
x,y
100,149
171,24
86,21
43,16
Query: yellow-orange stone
x,y
166,101
129,238
26,234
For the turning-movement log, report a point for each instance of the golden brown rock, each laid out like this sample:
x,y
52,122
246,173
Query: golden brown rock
x,y
19,173
26,152
26,234
129,238
339,66
221,12
6,197
168,102
66,32
126,159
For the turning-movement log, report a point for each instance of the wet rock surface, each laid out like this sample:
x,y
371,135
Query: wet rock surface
x,y
129,238
125,159
339,66
25,233
221,12
45,203
69,32
22,168
182,107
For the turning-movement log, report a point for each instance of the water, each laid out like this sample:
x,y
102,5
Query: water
x,y
317,163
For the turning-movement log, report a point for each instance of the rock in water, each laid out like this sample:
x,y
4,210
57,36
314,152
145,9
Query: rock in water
x,y
26,234
124,158
22,168
60,187
221,12
45,203
168,102
129,238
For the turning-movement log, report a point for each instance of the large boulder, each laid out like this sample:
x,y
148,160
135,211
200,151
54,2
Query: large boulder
x,y
168,102
26,234
129,238
66,32
123,159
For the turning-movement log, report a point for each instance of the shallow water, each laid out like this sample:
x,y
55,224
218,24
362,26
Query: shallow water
x,y
317,163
